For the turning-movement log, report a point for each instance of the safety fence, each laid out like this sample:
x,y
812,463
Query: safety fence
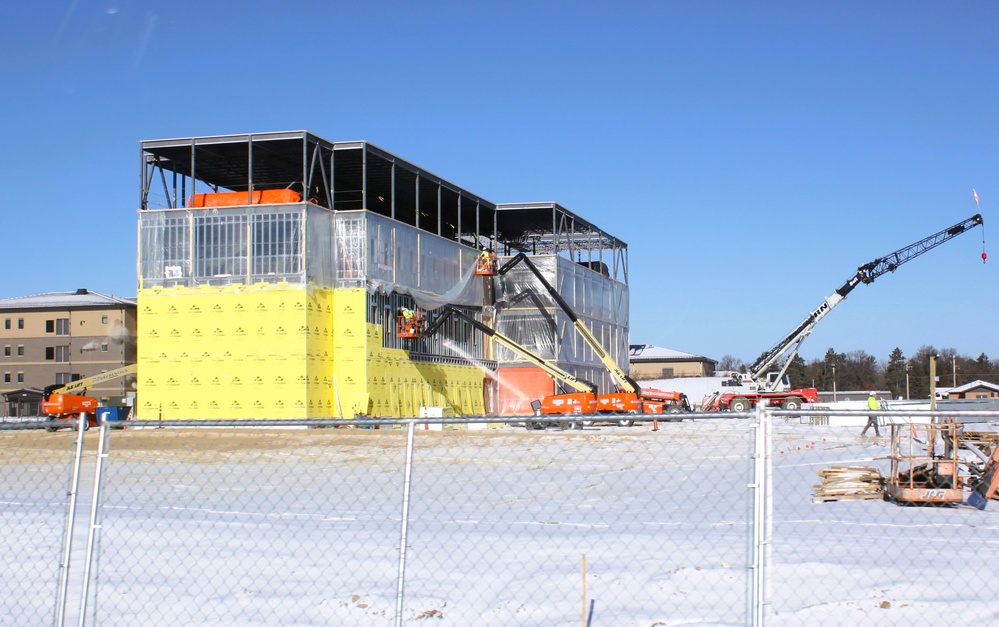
x,y
724,519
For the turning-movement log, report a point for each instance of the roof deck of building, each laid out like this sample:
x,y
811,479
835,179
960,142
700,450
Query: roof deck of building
x,y
357,175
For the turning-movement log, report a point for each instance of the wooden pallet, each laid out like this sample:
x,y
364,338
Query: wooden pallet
x,y
849,483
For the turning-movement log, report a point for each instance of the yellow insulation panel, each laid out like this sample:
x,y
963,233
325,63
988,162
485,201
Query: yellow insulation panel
x,y
233,352
282,351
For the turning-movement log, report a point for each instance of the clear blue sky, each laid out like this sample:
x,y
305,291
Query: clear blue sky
x,y
752,155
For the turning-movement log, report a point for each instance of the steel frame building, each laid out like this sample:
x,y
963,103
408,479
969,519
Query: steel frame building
x,y
271,266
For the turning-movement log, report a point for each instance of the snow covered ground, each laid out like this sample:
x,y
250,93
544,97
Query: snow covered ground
x,y
209,527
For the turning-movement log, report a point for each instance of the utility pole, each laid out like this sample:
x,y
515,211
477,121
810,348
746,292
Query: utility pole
x,y
954,362
834,382
933,383
906,380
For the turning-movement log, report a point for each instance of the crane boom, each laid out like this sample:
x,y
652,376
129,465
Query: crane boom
x,y
866,273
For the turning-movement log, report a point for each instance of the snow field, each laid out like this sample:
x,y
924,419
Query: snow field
x,y
303,528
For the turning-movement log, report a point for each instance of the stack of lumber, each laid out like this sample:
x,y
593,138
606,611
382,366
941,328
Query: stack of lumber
x,y
849,483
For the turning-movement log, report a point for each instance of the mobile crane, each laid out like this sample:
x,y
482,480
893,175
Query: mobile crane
x,y
63,406
774,387
630,397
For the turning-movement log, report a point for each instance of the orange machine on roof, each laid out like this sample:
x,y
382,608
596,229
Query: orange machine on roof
x,y
237,199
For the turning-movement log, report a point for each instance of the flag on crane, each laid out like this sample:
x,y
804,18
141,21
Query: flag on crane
x,y
985,255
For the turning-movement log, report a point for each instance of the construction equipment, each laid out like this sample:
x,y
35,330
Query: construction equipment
x,y
928,469
774,387
63,407
410,323
582,401
630,397
485,263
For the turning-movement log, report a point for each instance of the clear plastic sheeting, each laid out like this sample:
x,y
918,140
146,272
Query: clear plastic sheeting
x,y
322,247
350,233
222,246
300,244
467,291
527,314
394,257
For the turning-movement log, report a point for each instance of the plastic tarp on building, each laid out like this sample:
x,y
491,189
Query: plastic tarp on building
x,y
300,244
526,313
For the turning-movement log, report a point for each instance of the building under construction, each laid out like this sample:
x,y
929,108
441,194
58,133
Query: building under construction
x,y
272,268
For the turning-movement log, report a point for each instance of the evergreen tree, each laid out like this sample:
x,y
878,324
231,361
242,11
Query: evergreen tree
x,y
984,369
894,374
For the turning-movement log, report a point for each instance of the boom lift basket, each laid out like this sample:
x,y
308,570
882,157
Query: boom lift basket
x,y
485,264
410,325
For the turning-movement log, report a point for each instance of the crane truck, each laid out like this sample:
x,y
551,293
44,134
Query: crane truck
x,y
765,385
63,405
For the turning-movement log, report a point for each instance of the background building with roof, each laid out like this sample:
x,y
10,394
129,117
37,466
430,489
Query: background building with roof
x,y
654,362
60,337
272,267
974,389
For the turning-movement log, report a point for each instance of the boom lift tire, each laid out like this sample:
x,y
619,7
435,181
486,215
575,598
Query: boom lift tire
x,y
627,422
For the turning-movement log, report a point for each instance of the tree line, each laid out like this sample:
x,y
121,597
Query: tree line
x,y
904,377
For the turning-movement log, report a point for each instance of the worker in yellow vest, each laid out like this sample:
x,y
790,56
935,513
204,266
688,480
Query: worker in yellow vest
x,y
872,421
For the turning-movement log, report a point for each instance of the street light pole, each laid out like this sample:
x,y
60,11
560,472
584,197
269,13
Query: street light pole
x,y
834,382
906,380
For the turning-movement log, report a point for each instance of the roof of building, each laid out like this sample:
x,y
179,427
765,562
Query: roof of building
x,y
978,383
78,299
650,352
32,393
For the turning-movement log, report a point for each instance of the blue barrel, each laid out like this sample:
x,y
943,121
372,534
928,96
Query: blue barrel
x,y
109,414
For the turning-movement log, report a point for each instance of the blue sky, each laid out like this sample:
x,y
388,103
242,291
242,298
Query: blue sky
x,y
752,155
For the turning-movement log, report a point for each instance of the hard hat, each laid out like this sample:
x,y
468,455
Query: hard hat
x,y
873,393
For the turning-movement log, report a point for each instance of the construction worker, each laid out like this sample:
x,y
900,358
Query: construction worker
x,y
487,260
872,421
408,325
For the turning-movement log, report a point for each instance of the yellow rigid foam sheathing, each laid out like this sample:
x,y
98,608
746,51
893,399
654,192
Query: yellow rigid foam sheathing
x,y
282,351
350,353
228,352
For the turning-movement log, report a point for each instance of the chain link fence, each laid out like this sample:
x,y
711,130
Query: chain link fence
x,y
718,520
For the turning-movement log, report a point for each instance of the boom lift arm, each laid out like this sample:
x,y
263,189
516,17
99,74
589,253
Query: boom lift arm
x,y
87,382
554,371
625,382
866,273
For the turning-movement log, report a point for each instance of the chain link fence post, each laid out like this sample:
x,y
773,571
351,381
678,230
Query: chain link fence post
x,y
94,525
403,533
67,540
762,515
